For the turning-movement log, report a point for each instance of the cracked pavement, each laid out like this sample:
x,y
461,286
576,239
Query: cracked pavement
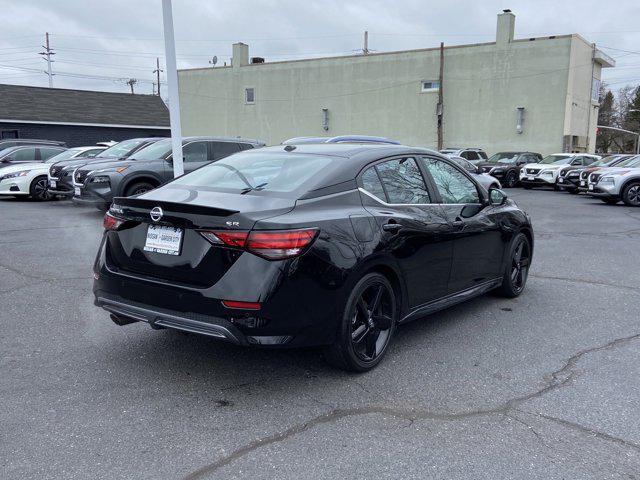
x,y
544,386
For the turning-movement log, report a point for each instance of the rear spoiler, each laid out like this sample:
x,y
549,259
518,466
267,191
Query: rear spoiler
x,y
144,204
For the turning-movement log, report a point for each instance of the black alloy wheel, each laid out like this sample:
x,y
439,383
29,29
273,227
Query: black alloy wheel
x,y
367,325
511,179
39,189
517,269
631,195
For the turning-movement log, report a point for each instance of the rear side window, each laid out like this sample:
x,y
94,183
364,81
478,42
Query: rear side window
x,y
223,149
372,184
46,152
257,171
453,185
482,155
403,181
470,155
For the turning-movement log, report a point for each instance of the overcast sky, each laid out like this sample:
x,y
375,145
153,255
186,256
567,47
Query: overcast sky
x,y
120,39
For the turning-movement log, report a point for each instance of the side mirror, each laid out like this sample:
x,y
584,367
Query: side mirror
x,y
497,197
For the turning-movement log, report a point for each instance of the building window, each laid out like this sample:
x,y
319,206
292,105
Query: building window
x,y
9,134
249,95
595,90
429,86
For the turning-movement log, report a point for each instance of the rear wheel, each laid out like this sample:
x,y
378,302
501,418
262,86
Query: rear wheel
x,y
516,271
631,194
367,325
38,189
511,179
138,188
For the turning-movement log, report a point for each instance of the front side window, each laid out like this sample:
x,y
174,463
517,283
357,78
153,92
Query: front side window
x,y
403,181
195,152
470,155
453,185
154,151
22,155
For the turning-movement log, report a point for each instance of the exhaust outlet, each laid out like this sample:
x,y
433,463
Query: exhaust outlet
x,y
122,321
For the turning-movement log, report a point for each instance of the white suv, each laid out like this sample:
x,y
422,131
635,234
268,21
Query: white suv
x,y
545,173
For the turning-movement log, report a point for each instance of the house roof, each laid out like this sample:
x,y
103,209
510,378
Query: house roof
x,y
66,106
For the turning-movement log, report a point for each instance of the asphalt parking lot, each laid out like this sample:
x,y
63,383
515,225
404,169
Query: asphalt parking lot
x,y
544,386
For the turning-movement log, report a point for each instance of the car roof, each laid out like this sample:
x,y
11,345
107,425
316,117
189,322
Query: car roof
x,y
223,139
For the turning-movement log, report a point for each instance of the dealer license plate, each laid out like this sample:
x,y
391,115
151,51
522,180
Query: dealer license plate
x,y
76,191
528,178
165,240
590,187
582,183
53,183
561,180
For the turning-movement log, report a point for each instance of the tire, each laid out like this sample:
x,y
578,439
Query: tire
x,y
363,336
511,179
527,187
38,189
631,194
516,272
610,201
138,188
573,191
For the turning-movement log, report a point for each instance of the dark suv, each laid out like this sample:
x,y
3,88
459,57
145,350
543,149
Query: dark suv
x,y
98,183
505,166
60,177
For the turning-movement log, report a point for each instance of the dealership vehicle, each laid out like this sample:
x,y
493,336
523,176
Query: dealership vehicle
x,y
27,154
545,172
30,179
323,244
573,178
22,142
506,166
621,182
472,154
487,181
339,139
97,183
60,175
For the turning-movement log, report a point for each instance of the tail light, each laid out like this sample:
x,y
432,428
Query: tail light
x,y
269,244
233,304
109,222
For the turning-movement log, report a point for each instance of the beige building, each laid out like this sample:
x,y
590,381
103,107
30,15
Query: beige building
x,y
536,94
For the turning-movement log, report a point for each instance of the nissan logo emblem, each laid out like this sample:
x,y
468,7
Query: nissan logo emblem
x,y
156,214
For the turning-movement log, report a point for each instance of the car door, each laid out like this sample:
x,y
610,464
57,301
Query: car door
x,y
477,240
195,154
413,228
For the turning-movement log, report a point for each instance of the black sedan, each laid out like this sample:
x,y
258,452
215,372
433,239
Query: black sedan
x,y
505,166
331,245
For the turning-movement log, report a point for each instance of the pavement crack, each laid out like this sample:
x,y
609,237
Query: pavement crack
x,y
552,381
588,431
588,282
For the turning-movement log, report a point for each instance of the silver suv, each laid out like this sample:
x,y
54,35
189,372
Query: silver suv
x,y
471,154
621,182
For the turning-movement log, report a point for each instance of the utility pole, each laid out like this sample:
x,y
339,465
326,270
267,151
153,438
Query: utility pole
x,y
440,107
46,55
131,82
157,72
172,84
365,49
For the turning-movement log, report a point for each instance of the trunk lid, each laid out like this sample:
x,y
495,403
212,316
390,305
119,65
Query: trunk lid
x,y
199,264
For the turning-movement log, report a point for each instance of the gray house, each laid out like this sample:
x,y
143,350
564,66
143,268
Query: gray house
x,y
79,117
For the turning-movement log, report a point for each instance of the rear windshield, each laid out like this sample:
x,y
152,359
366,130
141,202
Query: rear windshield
x,y
276,172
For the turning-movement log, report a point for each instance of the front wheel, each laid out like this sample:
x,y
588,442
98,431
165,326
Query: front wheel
x,y
516,271
367,325
511,179
631,194
138,189
38,189
610,201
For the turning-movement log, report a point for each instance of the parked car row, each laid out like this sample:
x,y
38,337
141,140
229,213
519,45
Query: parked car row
x,y
612,179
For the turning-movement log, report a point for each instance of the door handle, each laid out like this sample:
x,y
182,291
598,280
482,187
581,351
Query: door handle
x,y
458,224
391,227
